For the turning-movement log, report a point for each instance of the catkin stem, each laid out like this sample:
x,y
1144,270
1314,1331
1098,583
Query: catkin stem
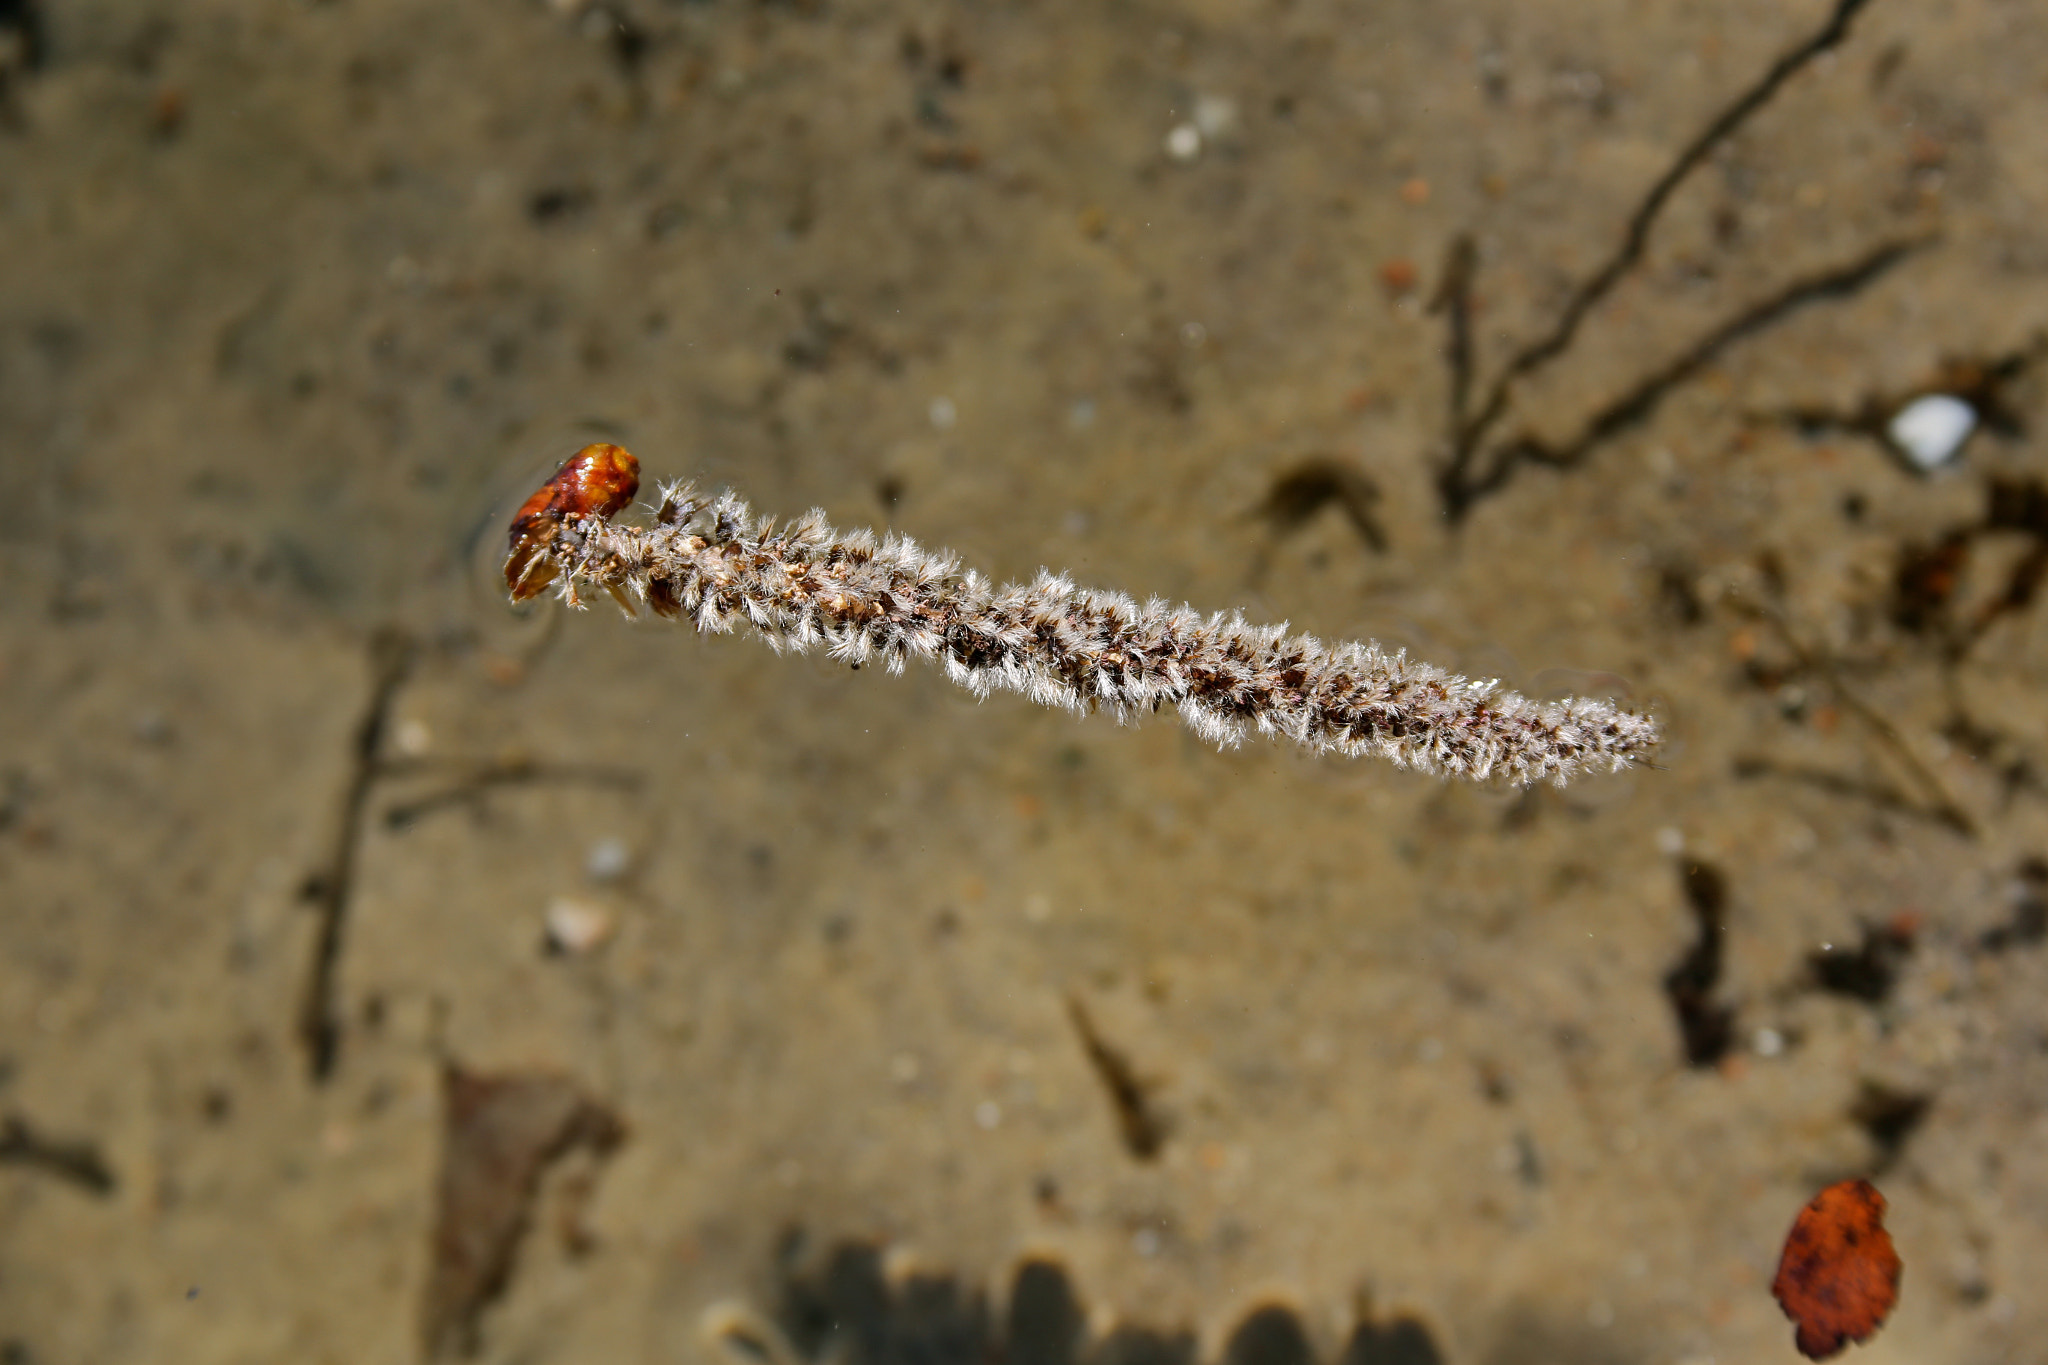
x,y
805,586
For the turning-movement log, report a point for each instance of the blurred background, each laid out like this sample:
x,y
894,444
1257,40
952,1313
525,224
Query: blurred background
x,y
384,973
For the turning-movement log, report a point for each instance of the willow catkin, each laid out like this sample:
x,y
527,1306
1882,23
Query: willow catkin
x,y
805,586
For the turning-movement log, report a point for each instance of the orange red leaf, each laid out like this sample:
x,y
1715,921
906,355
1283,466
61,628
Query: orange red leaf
x,y
1839,1276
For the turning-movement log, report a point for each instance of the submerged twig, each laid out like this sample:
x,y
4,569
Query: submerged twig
x,y
77,1161
807,586
1641,399
329,889
1939,802
1459,486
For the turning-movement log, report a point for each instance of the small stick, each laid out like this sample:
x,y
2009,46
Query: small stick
x,y
1940,804
329,889
808,586
1467,437
1643,397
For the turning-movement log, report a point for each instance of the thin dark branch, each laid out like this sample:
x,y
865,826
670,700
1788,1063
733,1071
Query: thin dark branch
x,y
1141,1130
78,1162
1453,299
1937,800
1468,438
329,888
1882,795
1642,398
471,785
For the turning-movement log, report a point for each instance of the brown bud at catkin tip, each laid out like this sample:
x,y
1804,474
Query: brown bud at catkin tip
x,y
598,481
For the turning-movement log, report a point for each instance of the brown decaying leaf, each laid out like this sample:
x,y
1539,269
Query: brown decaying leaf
x,y
1839,1276
502,1132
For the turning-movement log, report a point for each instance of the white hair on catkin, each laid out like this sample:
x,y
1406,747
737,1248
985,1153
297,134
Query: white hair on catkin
x,y
805,586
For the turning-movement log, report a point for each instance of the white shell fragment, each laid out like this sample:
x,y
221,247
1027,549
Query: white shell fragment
x,y
577,927
1930,430
1184,143
608,860
1216,117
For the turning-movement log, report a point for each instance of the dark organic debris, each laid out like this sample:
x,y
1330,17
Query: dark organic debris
x,y
1868,971
77,1161
1142,1130
1706,1027
847,1309
1927,578
501,1133
24,19
559,202
1678,594
2028,924
1298,493
1888,1116
22,50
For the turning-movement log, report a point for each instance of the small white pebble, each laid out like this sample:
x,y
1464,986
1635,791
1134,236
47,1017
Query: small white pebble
x,y
575,926
1671,841
1767,1042
943,414
607,860
1215,116
412,738
988,1114
1145,1241
1930,430
1184,143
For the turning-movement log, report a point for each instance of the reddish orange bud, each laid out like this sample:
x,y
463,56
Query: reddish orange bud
x,y
598,481
1839,1276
